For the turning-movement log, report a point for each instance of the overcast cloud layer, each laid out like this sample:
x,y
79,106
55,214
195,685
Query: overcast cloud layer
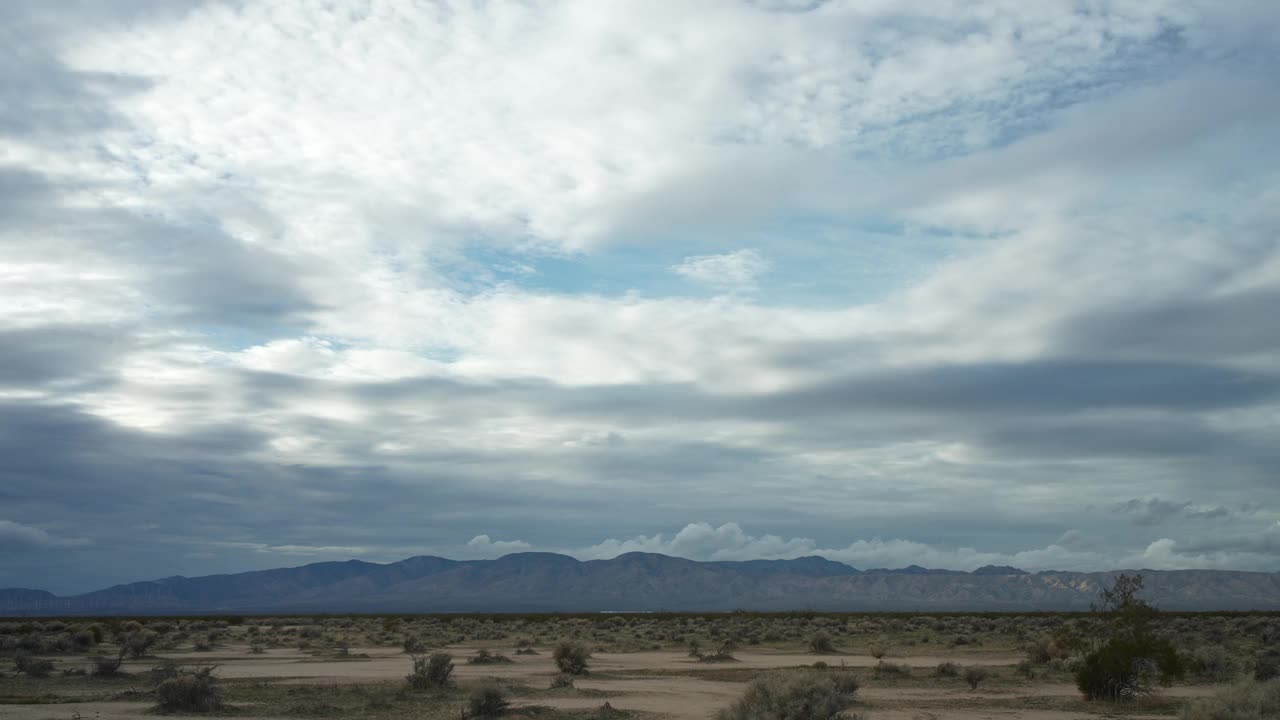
x,y
947,283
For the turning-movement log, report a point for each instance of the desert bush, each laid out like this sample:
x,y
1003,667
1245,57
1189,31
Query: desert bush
x,y
896,669
1250,700
724,653
1123,665
83,639
571,657
32,666
821,644
1213,663
257,648
1026,669
432,672
1266,665
139,642
974,675
196,690
878,649
486,701
107,665
413,646
484,657
166,670
795,696
562,680
947,669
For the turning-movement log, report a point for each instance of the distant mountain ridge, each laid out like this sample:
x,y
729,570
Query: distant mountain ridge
x,y
548,582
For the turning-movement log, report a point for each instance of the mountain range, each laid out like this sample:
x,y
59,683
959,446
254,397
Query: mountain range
x,y
547,582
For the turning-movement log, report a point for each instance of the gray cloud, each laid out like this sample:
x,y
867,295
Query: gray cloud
x,y
239,325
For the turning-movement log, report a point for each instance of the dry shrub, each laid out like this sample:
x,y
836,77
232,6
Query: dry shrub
x,y
196,690
486,701
431,673
1246,701
974,675
571,657
807,695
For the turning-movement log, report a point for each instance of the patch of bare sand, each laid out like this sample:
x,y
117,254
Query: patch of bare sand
x,y
677,697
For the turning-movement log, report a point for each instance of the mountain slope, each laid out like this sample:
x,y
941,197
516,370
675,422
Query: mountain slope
x,y
546,582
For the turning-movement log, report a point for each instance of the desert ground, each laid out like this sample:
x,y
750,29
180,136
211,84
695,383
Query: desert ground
x,y
681,667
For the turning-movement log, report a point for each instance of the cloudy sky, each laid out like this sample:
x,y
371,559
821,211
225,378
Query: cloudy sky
x,y
940,282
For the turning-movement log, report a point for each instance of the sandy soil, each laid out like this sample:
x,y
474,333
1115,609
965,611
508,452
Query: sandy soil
x,y
676,696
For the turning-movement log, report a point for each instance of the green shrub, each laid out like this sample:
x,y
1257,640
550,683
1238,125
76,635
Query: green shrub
x,y
194,691
166,670
107,665
486,701
1123,665
974,675
571,657
820,644
806,695
947,669
32,666
1246,701
139,642
1213,663
1267,664
895,669
431,673
878,649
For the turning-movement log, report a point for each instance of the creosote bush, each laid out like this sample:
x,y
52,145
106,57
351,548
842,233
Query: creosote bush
x,y
571,657
820,644
895,669
108,665
32,666
786,695
947,669
431,673
195,690
975,675
878,649
1122,666
486,701
561,681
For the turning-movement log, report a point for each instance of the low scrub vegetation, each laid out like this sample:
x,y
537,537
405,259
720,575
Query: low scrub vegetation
x,y
486,701
194,690
806,695
1246,701
975,675
571,657
1130,655
432,672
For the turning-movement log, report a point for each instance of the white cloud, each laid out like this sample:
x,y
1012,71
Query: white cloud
x,y
482,547
737,269
702,541
14,535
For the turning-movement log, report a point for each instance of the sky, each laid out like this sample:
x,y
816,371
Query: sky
x,y
941,283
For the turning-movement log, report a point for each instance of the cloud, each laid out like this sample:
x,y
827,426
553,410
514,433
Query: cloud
x,y
16,536
737,269
481,546
987,266
1155,511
